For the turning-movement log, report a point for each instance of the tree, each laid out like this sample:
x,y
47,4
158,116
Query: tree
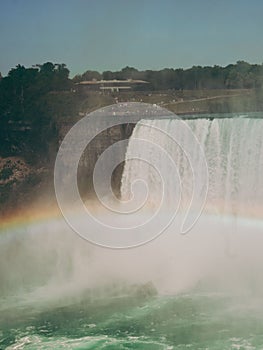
x,y
27,111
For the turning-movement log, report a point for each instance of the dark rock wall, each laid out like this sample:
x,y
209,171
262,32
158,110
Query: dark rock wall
x,y
91,154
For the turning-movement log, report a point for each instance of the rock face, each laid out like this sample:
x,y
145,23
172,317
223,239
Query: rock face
x,y
13,170
17,181
91,154
21,183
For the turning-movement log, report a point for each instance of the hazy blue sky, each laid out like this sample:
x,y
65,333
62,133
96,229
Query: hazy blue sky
x,y
111,34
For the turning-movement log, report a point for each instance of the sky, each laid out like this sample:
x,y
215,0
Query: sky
x,y
145,34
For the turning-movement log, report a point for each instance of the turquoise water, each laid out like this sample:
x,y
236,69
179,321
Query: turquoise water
x,y
188,321
209,282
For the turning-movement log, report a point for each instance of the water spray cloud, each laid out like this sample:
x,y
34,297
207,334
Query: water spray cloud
x,y
128,222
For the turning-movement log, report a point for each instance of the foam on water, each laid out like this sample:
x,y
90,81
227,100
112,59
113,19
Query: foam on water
x,y
59,291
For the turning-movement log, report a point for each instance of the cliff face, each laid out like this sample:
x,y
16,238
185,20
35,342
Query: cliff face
x,y
93,151
91,154
22,184
18,182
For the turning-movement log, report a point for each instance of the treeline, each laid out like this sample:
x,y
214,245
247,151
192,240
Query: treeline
x,y
241,75
31,99
34,100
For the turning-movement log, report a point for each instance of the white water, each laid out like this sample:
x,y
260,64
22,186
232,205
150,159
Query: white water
x,y
48,262
233,150
225,244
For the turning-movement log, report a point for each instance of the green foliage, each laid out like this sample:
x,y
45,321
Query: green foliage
x,y
88,75
241,75
33,101
28,110
5,173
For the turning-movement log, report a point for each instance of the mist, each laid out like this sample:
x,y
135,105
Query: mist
x,y
48,264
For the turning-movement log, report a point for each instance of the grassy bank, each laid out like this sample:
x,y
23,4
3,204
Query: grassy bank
x,y
182,102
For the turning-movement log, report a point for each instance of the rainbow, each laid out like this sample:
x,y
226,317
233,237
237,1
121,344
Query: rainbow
x,y
30,215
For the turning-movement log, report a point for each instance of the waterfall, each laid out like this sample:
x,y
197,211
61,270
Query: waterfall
x,y
233,150
184,164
